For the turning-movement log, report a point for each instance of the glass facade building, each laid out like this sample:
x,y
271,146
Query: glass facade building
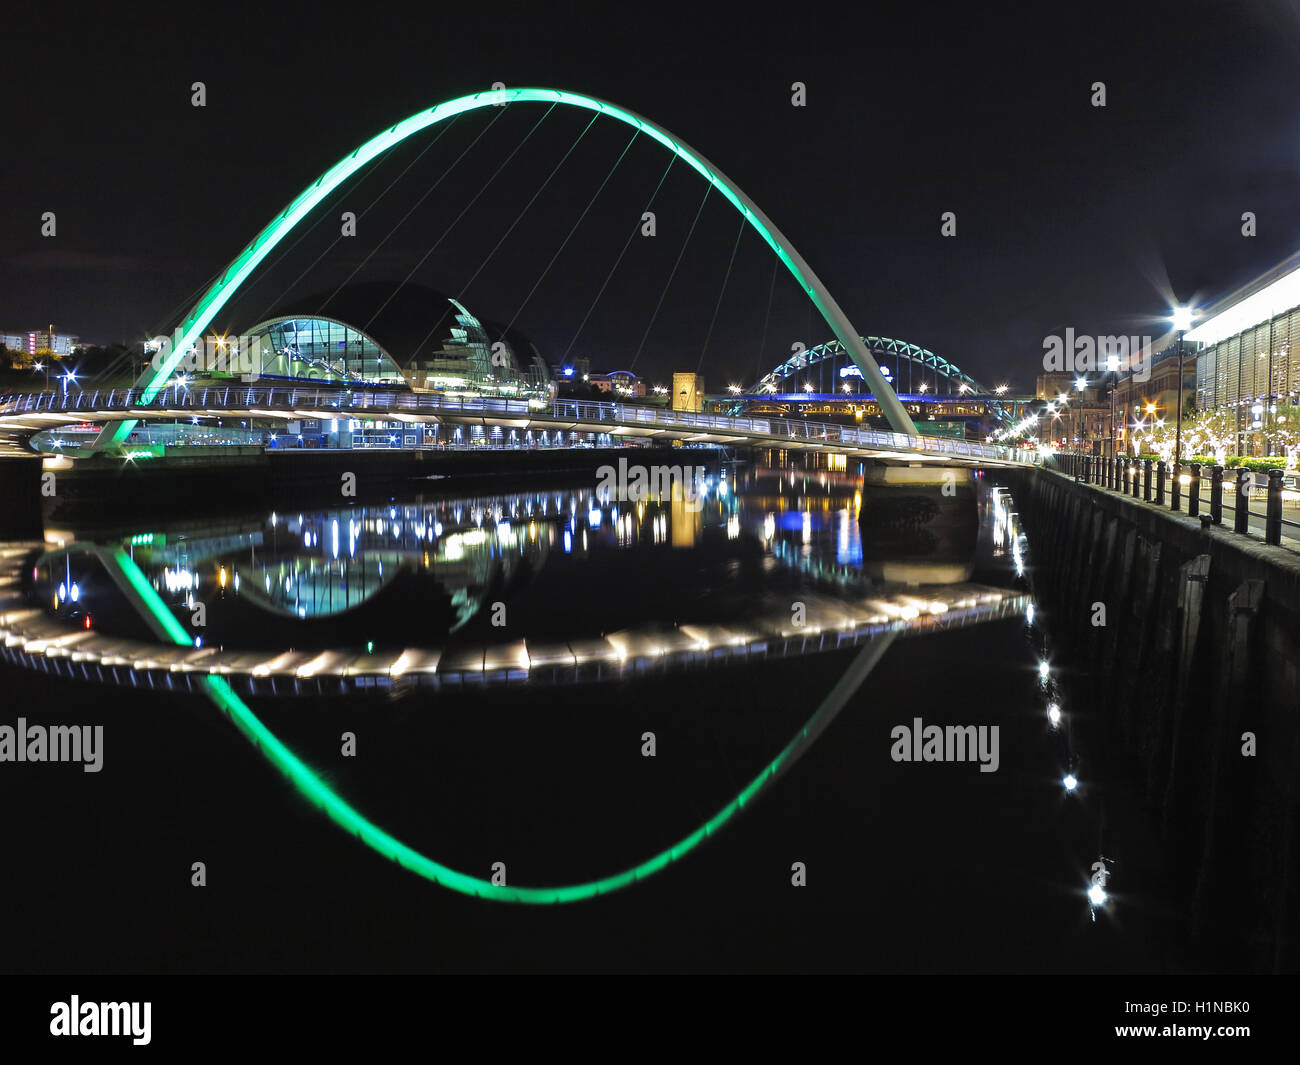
x,y
322,350
1251,366
396,336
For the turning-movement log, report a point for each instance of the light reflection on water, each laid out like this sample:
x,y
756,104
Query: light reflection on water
x,y
439,566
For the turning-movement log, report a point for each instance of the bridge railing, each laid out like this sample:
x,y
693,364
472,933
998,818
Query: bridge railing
x,y
330,402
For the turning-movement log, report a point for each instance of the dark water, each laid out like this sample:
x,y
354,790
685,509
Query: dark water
x,y
914,867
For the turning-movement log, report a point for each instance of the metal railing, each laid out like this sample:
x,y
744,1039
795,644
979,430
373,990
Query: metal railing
x,y
1134,477
330,403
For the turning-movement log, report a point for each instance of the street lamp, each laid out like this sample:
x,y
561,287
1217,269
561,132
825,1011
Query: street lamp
x,y
1182,321
1112,366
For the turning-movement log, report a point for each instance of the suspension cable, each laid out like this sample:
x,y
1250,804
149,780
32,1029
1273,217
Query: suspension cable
x,y
573,229
402,221
646,336
626,244
718,306
361,214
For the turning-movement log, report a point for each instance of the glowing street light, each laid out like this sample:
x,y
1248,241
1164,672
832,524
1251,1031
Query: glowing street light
x,y
1080,383
1070,782
1181,317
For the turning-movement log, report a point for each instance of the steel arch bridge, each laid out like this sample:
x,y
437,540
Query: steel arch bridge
x,y
882,349
242,267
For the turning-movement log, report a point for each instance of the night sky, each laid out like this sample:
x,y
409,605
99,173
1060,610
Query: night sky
x,y
1067,215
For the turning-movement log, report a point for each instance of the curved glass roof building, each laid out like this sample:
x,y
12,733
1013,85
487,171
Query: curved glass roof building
x,y
376,334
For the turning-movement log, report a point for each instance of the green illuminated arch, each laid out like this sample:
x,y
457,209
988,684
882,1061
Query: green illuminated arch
x,y
242,267
313,788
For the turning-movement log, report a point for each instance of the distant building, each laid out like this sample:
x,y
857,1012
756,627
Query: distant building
x,y
1051,386
1249,352
688,392
414,337
1149,404
573,372
619,383
34,342
1092,421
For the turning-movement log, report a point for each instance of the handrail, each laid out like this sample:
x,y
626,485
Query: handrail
x,y
292,398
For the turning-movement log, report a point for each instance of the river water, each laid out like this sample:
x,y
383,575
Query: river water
x,y
853,859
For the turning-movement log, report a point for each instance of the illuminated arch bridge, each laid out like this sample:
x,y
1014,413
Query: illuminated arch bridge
x,y
915,370
826,380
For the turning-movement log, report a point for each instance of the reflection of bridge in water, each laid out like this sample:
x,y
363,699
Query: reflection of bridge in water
x,y
865,623
325,563
35,640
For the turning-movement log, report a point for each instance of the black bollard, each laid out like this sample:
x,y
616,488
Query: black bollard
x,y
1273,514
1241,516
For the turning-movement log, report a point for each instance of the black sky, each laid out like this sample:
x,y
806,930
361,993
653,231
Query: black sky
x,y
1068,215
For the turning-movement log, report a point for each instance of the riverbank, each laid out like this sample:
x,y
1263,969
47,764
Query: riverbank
x,y
1186,641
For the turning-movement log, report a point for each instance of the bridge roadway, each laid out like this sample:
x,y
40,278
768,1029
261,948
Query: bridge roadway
x,y
23,414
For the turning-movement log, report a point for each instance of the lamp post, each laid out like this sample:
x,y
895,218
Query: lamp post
x,y
1182,320
1112,365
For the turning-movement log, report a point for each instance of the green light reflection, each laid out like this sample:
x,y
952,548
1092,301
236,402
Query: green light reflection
x,y
316,791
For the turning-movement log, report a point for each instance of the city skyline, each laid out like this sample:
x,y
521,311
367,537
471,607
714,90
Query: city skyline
x,y
1099,225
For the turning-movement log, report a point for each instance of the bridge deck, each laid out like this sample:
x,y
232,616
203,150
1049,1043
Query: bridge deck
x,y
29,412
